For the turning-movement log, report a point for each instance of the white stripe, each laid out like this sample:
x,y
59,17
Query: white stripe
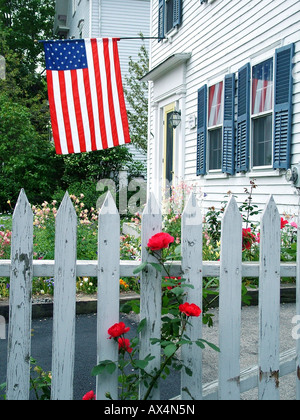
x,y
116,96
84,112
71,111
268,103
104,93
90,62
59,113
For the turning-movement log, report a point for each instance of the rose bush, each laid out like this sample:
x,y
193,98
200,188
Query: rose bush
x,y
176,313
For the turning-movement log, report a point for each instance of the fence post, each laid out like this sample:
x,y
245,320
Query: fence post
x,y
269,303
64,309
108,293
150,296
19,332
191,249
230,303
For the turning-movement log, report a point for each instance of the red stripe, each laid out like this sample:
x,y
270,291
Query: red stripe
x,y
53,116
89,105
219,98
210,99
64,103
254,92
112,115
78,113
99,93
120,91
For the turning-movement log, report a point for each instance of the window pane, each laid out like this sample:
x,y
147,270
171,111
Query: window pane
x,y
215,148
169,15
215,104
262,141
262,87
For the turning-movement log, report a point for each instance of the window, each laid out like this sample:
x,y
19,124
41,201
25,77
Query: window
x,y
255,133
169,16
215,121
262,113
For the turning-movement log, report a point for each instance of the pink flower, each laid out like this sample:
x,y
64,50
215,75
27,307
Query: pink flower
x,y
294,224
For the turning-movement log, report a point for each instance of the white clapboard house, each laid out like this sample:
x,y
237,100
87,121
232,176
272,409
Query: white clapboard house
x,y
229,70
107,18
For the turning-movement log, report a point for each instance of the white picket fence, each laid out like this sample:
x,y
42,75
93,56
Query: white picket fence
x,y
231,382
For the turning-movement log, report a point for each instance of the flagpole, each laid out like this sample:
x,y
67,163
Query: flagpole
x,y
120,38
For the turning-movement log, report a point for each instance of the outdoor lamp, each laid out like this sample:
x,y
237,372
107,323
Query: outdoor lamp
x,y
175,118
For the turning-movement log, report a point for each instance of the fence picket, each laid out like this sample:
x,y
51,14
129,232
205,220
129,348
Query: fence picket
x,y
269,302
230,302
64,309
191,249
19,333
150,295
108,293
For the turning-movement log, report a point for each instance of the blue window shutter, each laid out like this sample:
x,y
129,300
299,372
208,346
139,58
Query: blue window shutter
x,y
283,89
161,19
243,119
177,12
201,130
228,125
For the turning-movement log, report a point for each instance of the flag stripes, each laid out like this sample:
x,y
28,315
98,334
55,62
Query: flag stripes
x,y
86,97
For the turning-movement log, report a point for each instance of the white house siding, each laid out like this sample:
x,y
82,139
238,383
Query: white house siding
x,y
222,36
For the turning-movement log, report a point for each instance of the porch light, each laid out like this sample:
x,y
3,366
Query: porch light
x,y
175,118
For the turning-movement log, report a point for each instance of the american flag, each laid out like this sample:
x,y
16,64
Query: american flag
x,y
86,97
262,87
215,102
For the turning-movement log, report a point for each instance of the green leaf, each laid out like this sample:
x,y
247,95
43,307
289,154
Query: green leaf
x,y
157,266
141,364
140,268
142,325
170,350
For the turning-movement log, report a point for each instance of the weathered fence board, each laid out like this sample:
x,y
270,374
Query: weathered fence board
x,y
269,302
108,268
230,303
108,293
64,308
191,246
19,333
150,299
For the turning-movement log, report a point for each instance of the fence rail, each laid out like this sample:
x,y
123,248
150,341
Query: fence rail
x,y
108,269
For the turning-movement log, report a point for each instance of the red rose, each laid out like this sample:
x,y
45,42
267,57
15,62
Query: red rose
x,y
89,396
159,241
248,238
117,329
124,344
190,309
283,222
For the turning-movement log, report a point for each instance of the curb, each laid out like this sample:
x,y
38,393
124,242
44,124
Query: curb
x,y
89,306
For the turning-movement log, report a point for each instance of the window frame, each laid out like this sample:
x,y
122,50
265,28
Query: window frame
x,y
262,114
214,127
